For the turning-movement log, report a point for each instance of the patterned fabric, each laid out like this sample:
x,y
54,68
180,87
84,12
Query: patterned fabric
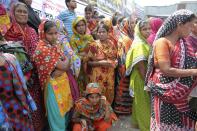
x,y
170,109
79,44
27,35
138,52
46,57
68,51
67,17
14,95
155,24
4,123
92,24
93,88
4,20
192,39
123,101
101,74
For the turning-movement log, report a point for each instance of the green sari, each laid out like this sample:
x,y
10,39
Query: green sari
x,y
139,51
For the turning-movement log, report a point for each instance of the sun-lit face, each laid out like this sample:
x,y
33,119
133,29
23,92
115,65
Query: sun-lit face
x,y
88,15
94,99
102,34
184,29
145,31
194,26
52,35
81,27
21,14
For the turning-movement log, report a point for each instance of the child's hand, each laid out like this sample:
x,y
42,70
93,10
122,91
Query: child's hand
x,y
83,123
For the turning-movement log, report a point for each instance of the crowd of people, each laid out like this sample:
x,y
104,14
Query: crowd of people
x,y
81,73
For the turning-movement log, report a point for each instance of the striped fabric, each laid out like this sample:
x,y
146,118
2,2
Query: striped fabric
x,y
67,17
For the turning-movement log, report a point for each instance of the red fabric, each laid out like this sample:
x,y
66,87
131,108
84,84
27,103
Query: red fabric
x,y
27,35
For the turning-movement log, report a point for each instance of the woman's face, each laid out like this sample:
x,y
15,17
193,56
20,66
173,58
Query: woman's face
x,y
28,2
184,29
102,34
21,14
94,99
81,27
52,35
145,31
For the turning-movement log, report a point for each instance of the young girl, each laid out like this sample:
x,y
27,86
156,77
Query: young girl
x,y
102,62
93,112
80,42
52,66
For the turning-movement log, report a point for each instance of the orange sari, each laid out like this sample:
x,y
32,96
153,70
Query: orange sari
x,y
103,75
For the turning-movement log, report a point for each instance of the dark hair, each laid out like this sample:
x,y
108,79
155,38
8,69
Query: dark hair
x,y
189,19
137,20
120,19
101,16
89,8
102,25
48,25
87,96
67,1
142,23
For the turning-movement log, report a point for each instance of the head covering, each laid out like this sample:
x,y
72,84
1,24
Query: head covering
x,y
139,50
94,112
155,24
4,20
46,57
27,34
169,25
68,51
79,42
93,88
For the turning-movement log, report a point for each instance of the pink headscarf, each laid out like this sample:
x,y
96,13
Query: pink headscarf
x,y
155,24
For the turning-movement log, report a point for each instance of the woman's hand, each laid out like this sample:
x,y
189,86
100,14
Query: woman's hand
x,y
57,73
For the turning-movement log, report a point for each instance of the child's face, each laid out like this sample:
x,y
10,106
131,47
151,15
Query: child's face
x,y
94,99
102,34
81,27
52,35
88,15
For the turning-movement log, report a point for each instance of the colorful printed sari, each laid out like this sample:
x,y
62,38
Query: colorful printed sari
x,y
14,94
29,39
105,76
169,95
58,98
79,44
123,101
138,52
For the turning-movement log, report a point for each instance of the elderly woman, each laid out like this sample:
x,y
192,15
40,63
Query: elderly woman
x,y
172,75
20,31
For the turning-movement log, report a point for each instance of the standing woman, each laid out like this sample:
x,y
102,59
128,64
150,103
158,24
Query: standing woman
x,y
102,62
33,19
52,66
172,75
136,64
79,42
75,62
20,31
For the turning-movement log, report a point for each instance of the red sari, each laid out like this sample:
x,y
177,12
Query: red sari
x,y
29,38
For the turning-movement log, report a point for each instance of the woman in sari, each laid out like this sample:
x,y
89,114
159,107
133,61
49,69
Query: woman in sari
x,y
122,104
20,31
93,112
136,64
52,66
155,24
102,62
79,43
171,75
15,99
75,62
